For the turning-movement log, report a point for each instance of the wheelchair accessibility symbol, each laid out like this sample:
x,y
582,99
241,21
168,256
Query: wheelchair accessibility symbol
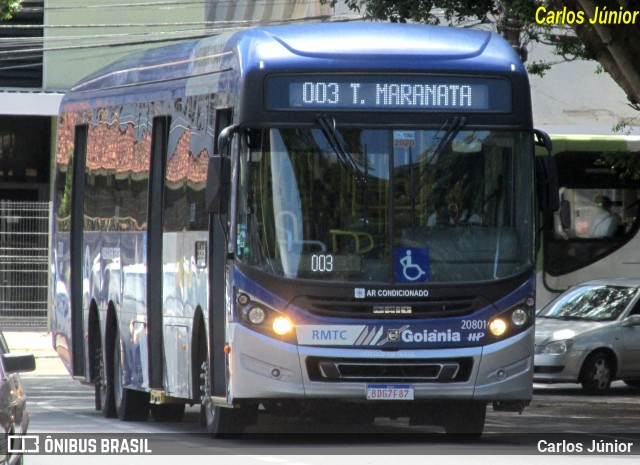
x,y
411,265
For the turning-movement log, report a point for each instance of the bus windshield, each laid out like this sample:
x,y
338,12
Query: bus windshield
x,y
380,205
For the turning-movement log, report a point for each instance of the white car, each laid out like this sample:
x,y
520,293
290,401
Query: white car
x,y
590,334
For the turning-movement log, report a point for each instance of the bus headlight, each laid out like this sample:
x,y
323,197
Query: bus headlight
x,y
498,327
282,325
261,318
519,317
256,315
511,322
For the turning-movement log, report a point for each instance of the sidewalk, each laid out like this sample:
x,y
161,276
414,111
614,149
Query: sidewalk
x,y
36,342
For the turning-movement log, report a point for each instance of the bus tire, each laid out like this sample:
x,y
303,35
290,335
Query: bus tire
x,y
597,373
104,400
465,418
130,405
223,421
103,387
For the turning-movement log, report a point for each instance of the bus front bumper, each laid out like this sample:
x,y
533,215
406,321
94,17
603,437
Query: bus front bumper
x,y
265,368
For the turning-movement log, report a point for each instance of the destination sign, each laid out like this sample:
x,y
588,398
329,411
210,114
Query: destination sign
x,y
388,93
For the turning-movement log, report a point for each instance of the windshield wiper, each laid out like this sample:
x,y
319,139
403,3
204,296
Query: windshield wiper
x,y
328,127
451,130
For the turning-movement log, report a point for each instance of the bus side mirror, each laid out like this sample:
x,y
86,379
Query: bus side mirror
x,y
18,363
547,185
218,181
219,175
542,139
225,137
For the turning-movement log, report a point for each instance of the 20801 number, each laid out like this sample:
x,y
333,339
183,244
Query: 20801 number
x,y
474,324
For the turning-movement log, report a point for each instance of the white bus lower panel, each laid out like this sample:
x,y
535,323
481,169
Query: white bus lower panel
x,y
264,368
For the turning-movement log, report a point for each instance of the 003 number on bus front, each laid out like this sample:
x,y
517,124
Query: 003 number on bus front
x,y
320,93
322,263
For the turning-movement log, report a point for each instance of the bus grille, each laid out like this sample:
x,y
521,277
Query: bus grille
x,y
449,307
382,370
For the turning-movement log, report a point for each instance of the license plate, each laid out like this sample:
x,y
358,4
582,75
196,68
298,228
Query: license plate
x,y
389,392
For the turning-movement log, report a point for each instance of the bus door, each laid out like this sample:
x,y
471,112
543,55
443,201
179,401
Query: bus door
x,y
159,143
178,241
77,251
170,271
217,198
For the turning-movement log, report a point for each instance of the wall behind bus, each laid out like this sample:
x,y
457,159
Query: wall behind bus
x,y
81,37
573,97
266,10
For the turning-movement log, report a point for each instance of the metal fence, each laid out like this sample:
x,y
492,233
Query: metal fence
x,y
24,258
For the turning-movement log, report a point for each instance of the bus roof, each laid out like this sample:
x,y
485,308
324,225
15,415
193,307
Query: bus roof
x,y
436,47
352,45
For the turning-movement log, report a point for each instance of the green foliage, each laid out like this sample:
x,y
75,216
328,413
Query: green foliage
x,y
626,125
538,68
401,11
625,164
514,19
8,8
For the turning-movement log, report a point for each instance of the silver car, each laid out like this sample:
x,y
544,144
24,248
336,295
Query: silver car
x,y
590,334
14,418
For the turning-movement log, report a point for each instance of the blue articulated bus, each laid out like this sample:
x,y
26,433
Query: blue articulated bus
x,y
286,219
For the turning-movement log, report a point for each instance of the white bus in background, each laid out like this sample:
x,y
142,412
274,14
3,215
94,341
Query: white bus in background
x,y
595,232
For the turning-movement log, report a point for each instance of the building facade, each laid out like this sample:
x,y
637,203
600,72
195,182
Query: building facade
x,y
25,109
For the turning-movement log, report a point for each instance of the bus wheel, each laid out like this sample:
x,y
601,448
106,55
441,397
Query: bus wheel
x,y
597,373
167,412
220,421
130,405
226,421
465,418
103,388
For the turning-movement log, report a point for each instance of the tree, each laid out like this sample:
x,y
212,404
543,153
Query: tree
x,y
8,7
565,24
